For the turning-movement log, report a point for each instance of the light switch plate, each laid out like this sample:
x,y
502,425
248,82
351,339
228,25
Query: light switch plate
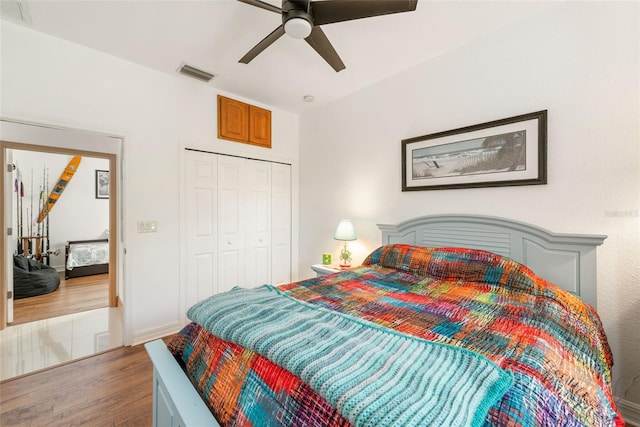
x,y
147,226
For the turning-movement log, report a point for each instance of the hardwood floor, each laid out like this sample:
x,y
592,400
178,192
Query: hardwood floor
x,y
73,296
110,389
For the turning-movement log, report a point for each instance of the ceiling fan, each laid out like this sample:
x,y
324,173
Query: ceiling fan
x,y
301,19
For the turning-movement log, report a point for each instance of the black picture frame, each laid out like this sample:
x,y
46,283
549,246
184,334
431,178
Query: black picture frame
x,y
506,152
102,184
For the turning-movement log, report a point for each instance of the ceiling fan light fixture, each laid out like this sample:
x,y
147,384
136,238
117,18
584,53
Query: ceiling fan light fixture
x,y
298,28
303,19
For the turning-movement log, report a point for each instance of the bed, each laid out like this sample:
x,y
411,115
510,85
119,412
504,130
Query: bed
x,y
444,324
86,258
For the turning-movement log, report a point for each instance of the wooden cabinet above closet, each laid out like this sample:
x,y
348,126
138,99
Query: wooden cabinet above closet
x,y
241,122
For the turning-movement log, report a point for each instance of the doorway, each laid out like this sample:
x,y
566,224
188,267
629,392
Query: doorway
x,y
78,214
46,141
11,148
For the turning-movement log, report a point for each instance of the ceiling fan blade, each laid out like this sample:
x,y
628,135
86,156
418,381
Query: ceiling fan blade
x,y
319,41
330,11
265,43
262,5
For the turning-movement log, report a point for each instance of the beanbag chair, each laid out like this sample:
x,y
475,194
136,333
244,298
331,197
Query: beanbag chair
x,y
31,278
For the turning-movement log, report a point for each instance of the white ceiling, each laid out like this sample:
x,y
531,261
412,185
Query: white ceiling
x,y
214,34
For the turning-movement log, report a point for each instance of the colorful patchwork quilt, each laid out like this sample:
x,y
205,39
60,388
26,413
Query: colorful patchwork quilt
x,y
551,345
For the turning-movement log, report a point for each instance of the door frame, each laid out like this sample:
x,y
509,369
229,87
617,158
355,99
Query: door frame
x,y
113,214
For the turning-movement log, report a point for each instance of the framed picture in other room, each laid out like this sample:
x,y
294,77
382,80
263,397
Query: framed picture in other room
x,y
102,184
506,152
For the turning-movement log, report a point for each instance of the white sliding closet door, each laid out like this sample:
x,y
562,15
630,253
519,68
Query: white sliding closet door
x,y
257,220
230,222
281,223
201,226
238,224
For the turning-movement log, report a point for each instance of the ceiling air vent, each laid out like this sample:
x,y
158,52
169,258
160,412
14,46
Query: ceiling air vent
x,y
190,71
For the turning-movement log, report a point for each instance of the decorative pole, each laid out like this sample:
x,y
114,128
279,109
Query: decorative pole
x,y
21,218
31,219
47,223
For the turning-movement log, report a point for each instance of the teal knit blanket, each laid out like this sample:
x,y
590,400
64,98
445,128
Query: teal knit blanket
x,y
372,375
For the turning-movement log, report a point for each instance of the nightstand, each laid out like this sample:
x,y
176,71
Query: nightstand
x,y
322,269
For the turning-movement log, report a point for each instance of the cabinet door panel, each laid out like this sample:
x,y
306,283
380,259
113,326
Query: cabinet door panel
x,y
233,117
259,126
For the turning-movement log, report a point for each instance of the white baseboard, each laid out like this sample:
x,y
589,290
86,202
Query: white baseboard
x,y
151,334
630,412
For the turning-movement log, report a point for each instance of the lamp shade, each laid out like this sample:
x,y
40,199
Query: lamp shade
x,y
345,231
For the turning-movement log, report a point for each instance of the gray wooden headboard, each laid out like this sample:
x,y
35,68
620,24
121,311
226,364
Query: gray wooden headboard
x,y
567,260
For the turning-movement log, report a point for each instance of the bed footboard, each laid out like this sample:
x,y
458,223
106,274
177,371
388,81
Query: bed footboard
x,y
175,400
91,268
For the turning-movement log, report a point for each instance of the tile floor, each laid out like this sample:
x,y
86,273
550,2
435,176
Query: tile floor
x,y
37,345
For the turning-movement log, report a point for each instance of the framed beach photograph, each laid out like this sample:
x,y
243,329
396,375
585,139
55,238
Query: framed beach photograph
x,y
102,184
504,152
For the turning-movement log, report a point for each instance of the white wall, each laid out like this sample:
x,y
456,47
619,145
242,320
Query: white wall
x,y
49,80
77,215
579,61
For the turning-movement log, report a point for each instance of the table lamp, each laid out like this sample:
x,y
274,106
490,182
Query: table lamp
x,y
345,232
